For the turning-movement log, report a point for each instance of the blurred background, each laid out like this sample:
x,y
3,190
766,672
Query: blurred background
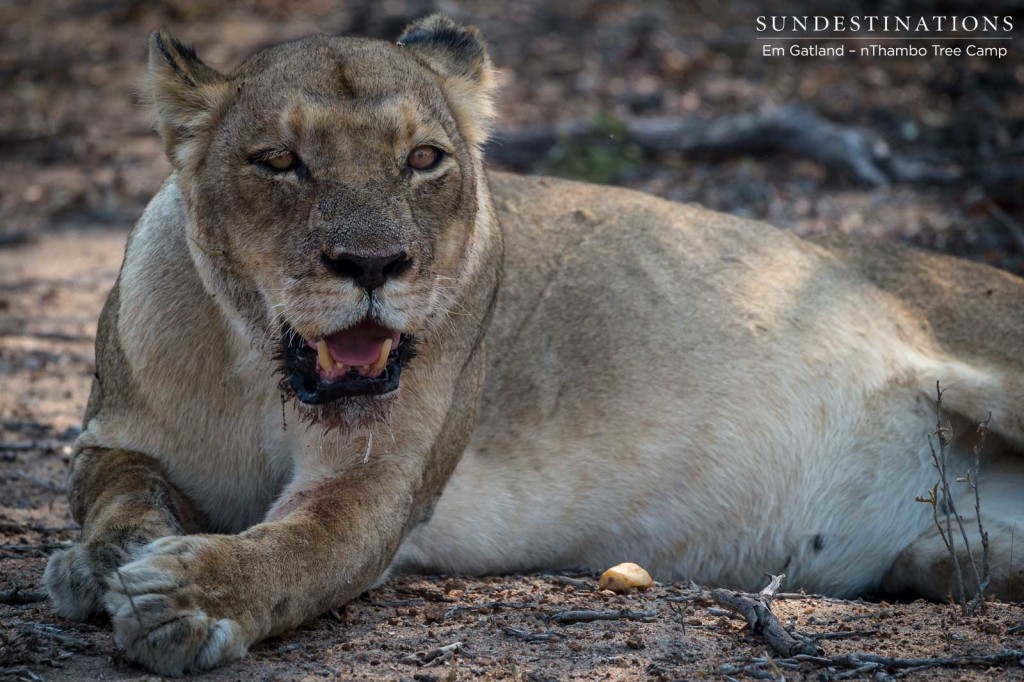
x,y
80,151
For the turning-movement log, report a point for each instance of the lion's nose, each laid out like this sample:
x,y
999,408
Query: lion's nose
x,y
368,272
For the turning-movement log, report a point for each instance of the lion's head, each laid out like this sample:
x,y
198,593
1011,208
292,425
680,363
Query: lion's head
x,y
333,188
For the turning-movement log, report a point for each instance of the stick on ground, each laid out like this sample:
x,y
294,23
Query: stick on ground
x,y
569,617
441,654
15,596
756,609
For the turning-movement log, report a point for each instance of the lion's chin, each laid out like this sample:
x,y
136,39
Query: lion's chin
x,y
348,415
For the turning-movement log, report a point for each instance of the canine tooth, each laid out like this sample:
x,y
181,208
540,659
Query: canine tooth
x,y
324,355
382,359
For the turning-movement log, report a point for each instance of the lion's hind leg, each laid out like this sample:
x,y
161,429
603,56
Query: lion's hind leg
x,y
925,568
123,502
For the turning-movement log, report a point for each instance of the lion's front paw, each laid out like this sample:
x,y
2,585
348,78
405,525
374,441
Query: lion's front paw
x,y
74,581
164,618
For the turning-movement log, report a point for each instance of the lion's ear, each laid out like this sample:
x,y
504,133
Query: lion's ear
x,y
458,54
186,93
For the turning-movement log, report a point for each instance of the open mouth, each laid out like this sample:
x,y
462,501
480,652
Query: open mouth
x,y
364,359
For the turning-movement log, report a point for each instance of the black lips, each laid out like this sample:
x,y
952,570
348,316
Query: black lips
x,y
300,365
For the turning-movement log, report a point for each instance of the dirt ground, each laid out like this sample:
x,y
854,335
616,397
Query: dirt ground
x,y
80,161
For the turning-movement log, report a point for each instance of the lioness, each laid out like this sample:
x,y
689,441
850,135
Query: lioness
x,y
338,346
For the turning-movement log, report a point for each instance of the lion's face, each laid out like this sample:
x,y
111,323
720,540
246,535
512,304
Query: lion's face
x,y
332,187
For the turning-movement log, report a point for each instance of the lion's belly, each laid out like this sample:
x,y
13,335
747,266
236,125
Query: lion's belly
x,y
832,508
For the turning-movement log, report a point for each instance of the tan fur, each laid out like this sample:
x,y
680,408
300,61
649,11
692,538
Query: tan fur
x,y
602,376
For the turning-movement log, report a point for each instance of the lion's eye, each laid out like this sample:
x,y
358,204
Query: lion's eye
x,y
424,157
282,162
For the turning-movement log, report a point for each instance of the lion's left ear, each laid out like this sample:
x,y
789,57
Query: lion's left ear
x,y
458,54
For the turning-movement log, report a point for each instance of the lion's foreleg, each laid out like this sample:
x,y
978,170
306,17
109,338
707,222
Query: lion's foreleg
x,y
123,501
196,601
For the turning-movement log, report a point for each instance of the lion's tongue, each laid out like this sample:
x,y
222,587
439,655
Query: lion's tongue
x,y
359,345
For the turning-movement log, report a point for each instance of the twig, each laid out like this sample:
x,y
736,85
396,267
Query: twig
x,y
35,480
850,634
972,479
856,672
855,660
570,617
53,633
800,596
16,596
858,664
41,549
883,613
424,593
757,612
20,673
767,594
725,613
456,610
390,603
441,654
571,582
981,578
939,462
528,636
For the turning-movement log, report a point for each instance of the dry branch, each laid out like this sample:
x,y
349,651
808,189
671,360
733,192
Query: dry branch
x,y
860,664
456,610
15,596
569,617
34,480
842,634
756,610
571,582
424,593
973,478
939,460
441,654
528,636
884,613
57,635
857,660
861,154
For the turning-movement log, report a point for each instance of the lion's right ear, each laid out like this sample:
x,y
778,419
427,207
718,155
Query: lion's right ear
x,y
187,95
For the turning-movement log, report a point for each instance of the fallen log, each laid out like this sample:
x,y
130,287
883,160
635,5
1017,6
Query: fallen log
x,y
858,153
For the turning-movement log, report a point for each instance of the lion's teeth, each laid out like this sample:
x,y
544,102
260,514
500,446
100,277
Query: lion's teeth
x,y
382,359
324,355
